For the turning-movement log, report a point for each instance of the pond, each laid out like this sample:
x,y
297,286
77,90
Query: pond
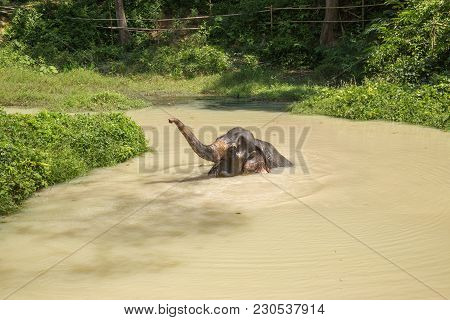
x,y
364,214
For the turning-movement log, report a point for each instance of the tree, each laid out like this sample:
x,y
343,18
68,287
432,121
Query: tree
x,y
124,34
328,34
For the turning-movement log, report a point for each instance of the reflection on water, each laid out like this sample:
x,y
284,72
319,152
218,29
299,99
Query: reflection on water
x,y
374,198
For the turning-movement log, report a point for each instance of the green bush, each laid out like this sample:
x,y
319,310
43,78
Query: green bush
x,y
343,62
10,57
425,105
415,44
14,58
284,43
186,60
45,32
105,101
48,148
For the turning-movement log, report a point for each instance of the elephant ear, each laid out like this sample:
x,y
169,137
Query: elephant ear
x,y
244,147
264,156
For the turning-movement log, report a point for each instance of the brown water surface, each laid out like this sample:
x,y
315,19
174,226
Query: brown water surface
x,y
365,214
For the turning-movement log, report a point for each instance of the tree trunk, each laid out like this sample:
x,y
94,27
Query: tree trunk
x,y
124,34
328,34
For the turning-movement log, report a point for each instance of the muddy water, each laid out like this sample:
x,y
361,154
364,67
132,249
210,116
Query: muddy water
x,y
364,215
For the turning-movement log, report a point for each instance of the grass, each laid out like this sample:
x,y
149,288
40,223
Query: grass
x,y
427,105
47,148
262,85
86,90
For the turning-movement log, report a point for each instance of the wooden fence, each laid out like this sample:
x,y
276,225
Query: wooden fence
x,y
270,10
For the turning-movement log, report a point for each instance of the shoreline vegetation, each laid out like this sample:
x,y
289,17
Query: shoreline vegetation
x,y
81,90
47,148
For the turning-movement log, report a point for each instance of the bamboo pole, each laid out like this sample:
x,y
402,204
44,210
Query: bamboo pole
x,y
148,29
271,18
342,26
110,23
362,12
331,7
321,21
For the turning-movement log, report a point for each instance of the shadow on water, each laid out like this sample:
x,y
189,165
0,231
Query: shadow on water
x,y
237,104
145,242
192,179
221,104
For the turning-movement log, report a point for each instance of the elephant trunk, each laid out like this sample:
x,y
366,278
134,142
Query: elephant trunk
x,y
203,151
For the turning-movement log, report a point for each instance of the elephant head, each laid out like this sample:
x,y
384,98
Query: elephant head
x,y
242,157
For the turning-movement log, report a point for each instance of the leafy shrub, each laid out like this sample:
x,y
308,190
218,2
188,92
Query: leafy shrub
x,y
283,43
415,44
48,148
10,57
45,32
343,62
14,57
106,100
247,63
186,60
425,105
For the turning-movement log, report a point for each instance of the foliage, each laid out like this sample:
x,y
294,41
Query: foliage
x,y
415,44
249,62
188,61
40,150
47,37
425,104
45,32
343,62
283,43
10,57
104,100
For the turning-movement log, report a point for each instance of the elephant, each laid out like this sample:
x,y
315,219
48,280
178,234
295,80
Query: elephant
x,y
236,152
